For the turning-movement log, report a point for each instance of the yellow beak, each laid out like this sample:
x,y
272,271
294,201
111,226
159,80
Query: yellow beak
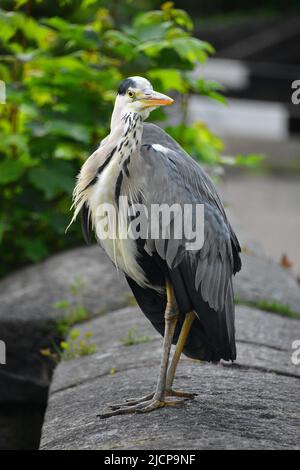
x,y
156,99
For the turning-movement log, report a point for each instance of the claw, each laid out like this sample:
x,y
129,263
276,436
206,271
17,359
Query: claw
x,y
180,393
131,401
136,401
143,407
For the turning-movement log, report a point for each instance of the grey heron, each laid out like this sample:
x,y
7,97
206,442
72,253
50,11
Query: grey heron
x,y
186,294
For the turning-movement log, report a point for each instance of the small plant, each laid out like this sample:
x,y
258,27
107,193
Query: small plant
x,y
76,346
130,300
77,286
132,338
72,314
276,307
246,250
270,306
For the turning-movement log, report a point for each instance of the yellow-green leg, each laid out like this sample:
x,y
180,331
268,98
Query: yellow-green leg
x,y
158,399
188,321
189,318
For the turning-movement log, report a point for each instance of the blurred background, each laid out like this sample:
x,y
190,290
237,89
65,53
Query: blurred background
x,y
230,66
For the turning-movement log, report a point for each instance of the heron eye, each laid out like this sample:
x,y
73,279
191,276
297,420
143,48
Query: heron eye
x,y
130,94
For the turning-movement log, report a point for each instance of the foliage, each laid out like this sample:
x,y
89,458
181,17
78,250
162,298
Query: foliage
x,y
130,300
62,62
270,306
77,345
206,147
71,314
77,286
70,344
133,338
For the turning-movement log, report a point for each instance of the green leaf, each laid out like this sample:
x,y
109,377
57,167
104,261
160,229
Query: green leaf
x,y
192,49
4,226
169,79
217,97
64,345
251,160
152,31
182,18
75,131
7,28
18,141
35,250
74,334
53,177
4,73
153,48
151,17
20,3
68,152
61,304
120,44
198,141
87,3
10,170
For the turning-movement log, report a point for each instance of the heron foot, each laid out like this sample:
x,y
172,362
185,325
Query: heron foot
x,y
180,393
131,401
137,400
142,407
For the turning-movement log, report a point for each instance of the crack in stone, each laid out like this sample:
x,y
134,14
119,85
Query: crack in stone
x,y
105,374
261,369
255,343
145,364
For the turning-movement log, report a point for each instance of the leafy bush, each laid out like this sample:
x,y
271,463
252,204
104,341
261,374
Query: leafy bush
x,y
61,73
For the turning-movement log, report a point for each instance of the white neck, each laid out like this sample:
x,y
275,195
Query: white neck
x,y
121,109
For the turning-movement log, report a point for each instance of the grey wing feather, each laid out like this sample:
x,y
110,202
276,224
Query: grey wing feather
x,y
171,176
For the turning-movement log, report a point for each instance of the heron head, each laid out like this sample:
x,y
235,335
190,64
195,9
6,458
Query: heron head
x,y
136,94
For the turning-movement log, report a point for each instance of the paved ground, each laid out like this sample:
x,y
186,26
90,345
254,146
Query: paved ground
x,y
268,208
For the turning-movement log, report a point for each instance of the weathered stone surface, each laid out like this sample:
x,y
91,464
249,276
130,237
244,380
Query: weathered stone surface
x,y
253,403
27,315
32,291
234,409
264,341
262,279
27,298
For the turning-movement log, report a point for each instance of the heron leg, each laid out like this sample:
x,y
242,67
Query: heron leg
x,y
186,327
158,400
188,321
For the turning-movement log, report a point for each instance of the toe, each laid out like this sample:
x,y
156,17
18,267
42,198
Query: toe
x,y
152,405
179,393
121,411
131,402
